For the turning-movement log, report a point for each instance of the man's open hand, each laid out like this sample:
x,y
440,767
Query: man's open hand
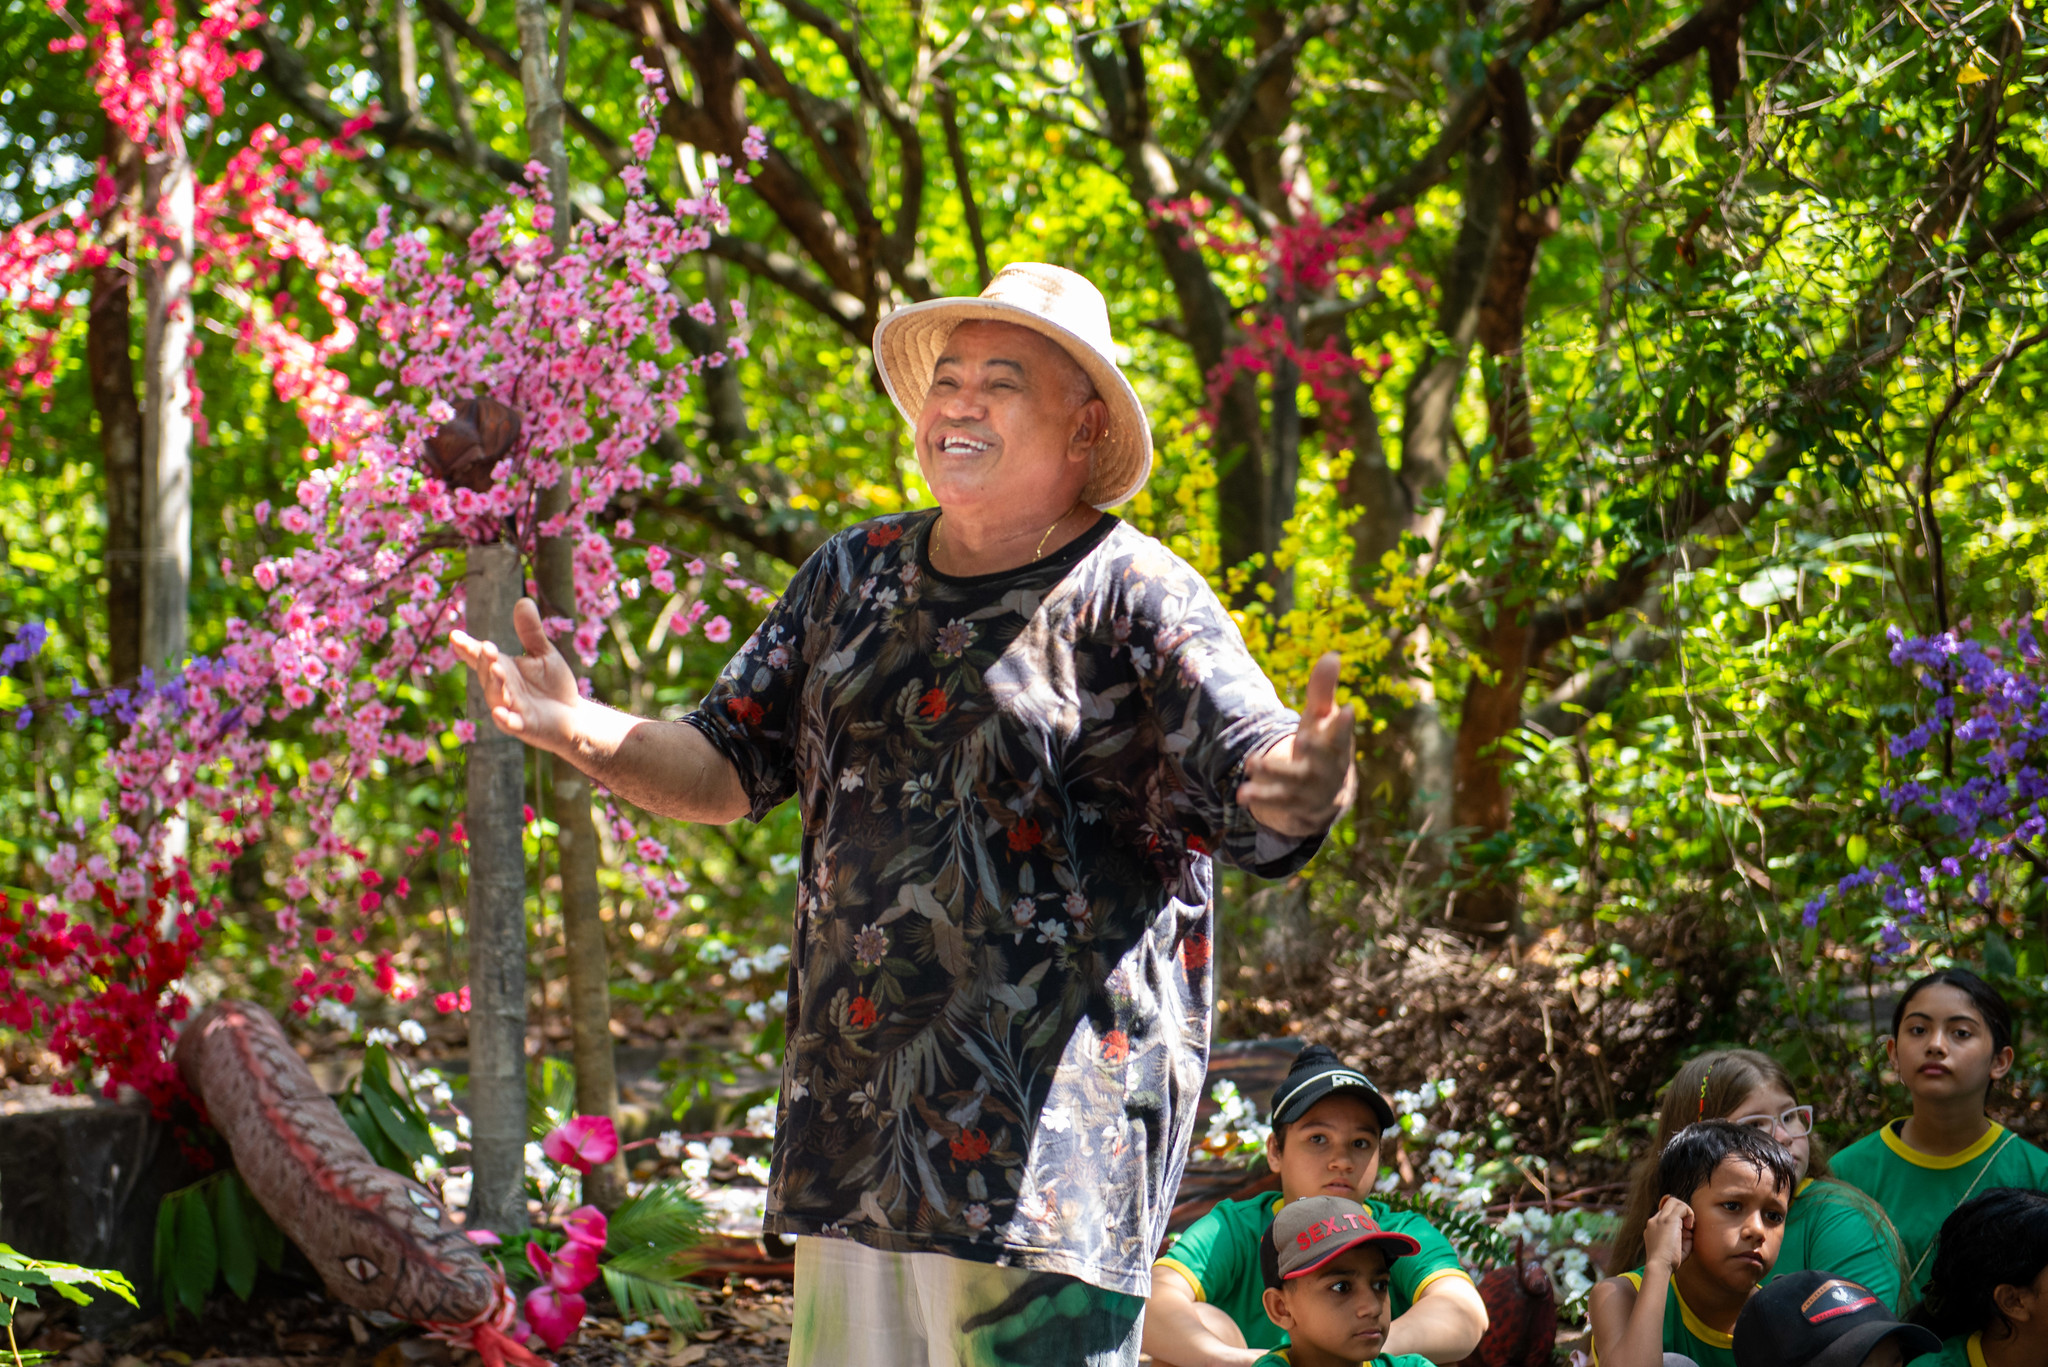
x,y
531,696
1305,782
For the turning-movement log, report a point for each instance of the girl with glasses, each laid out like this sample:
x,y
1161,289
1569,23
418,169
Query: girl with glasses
x,y
1830,1226
1951,1040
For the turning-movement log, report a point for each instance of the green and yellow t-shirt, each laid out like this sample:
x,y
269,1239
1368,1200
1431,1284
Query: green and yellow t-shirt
x,y
1918,1191
1278,1358
1218,1256
1964,1350
1833,1228
1685,1332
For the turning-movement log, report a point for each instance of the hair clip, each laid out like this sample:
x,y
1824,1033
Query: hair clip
x,y
1703,1090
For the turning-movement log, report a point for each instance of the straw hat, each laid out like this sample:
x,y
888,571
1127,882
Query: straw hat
x,y
1058,304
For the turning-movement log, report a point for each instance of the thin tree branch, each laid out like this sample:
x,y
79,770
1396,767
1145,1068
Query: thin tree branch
x,y
956,152
1313,25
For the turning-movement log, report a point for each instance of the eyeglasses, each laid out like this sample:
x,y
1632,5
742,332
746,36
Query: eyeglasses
x,y
1794,1122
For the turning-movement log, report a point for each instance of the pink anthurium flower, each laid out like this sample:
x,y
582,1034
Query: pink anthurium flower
x,y
582,1143
554,1314
586,1225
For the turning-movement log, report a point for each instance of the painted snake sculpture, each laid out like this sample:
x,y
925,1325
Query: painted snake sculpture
x,y
379,1240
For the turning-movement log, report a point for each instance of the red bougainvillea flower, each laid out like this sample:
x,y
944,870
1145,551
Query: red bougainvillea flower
x,y
971,1146
586,1225
582,1143
554,1315
1116,1046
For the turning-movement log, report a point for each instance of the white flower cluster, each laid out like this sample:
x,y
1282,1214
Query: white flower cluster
x,y
761,1119
744,966
1561,1241
700,1155
334,1013
1236,1130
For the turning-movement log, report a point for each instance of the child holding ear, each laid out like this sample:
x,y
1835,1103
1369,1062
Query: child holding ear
x,y
1987,1292
1723,1192
1951,1039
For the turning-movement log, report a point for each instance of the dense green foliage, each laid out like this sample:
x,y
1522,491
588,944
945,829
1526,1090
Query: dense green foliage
x,y
1698,349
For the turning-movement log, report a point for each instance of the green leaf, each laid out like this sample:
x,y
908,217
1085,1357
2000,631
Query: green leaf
x,y
396,1114
665,1217
197,1261
264,1233
237,1242
643,1287
166,1248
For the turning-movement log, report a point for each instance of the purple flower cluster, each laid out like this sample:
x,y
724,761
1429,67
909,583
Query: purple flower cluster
x,y
28,643
1990,810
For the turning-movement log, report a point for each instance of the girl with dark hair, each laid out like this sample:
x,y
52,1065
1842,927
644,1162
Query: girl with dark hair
x,y
1831,1226
1951,1039
1987,1294
1722,1191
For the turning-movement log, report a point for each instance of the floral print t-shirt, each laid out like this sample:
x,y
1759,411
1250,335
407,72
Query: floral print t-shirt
x,y
1012,787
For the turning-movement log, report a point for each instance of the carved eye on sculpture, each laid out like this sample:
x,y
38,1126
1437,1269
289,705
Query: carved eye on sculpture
x,y
425,1203
361,1268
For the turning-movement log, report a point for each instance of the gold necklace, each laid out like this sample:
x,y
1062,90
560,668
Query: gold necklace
x,y
1036,554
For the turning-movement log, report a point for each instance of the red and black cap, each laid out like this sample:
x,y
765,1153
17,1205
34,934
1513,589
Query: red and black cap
x,y
1816,1319
1315,1073
1309,1232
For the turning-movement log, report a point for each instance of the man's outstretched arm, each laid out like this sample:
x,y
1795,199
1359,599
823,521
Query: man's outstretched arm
x,y
668,768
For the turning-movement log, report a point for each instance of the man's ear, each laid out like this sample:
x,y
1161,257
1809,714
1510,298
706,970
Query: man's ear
x,y
1091,424
2016,1303
1276,1308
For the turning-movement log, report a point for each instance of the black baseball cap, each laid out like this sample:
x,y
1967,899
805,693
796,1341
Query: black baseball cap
x,y
1317,1072
1816,1319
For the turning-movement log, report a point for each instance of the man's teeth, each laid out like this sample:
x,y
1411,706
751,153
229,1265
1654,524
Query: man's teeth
x,y
962,444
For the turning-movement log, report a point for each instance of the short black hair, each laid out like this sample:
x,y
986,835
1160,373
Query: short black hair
x,y
1997,1015
1997,1239
1689,1160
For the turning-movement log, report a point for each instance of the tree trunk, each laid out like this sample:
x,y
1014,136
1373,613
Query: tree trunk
x,y
167,408
590,1007
110,366
497,916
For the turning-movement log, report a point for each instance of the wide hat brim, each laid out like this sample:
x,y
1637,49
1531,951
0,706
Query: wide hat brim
x,y
909,341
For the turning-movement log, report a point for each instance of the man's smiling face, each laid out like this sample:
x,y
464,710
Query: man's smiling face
x,y
1003,421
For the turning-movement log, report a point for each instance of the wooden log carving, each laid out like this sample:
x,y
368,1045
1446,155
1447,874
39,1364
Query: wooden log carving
x,y
379,1240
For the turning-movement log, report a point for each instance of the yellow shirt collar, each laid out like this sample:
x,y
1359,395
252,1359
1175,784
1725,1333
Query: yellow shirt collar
x,y
1899,1146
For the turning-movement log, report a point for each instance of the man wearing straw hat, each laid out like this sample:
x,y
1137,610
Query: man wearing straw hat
x,y
1019,731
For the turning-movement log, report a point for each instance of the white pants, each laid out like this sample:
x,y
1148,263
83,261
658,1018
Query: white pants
x,y
861,1307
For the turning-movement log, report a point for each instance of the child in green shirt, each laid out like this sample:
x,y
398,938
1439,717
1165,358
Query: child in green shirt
x,y
1207,1295
1831,1226
1324,1263
1951,1039
1721,1216
1987,1288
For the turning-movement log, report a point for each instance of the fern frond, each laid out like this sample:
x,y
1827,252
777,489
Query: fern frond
x,y
642,1285
1477,1241
664,1217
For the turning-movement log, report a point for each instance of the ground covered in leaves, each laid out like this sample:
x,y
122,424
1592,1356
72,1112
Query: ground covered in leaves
x,y
746,1324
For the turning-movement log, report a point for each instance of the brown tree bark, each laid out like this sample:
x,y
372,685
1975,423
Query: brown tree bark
x,y
576,853
110,369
